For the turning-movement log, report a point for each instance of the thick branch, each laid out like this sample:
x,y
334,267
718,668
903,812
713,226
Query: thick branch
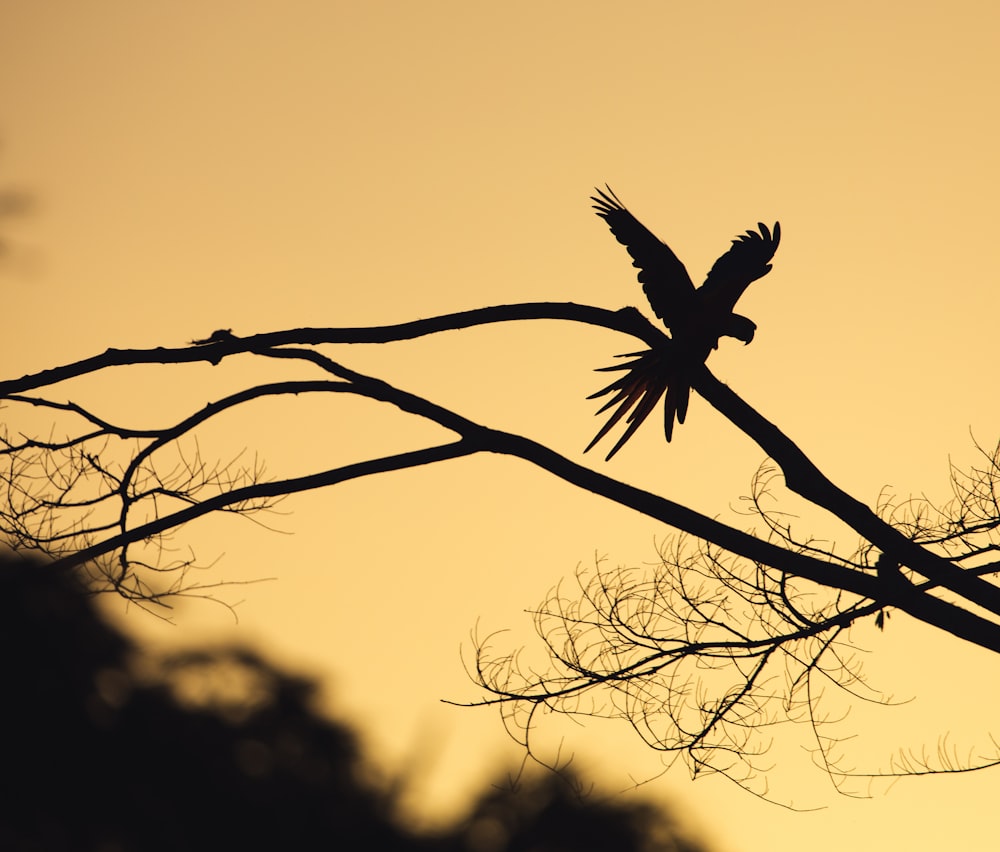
x,y
277,488
805,479
953,619
627,321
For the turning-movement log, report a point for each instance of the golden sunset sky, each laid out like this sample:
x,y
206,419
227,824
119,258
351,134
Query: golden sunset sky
x,y
269,165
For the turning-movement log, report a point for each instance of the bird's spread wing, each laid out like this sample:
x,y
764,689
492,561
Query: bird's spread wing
x,y
663,277
745,262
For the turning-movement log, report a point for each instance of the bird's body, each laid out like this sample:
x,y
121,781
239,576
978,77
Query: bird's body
x,y
696,317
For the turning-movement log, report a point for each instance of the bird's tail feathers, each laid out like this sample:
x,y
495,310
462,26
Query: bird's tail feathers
x,y
636,394
675,406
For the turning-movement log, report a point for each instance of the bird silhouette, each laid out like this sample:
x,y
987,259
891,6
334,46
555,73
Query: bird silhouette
x,y
695,317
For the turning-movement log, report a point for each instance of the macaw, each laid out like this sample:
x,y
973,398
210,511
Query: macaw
x,y
695,317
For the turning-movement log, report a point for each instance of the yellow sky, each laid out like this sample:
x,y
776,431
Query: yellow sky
x,y
271,165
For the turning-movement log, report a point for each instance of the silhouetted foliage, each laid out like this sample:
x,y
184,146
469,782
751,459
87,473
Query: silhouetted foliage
x,y
547,812
107,748
216,750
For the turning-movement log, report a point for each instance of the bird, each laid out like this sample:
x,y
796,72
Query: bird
x,y
695,317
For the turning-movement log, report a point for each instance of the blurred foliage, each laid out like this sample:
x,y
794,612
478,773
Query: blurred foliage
x,y
109,749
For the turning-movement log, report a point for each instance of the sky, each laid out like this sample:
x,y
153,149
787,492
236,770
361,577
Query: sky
x,y
262,165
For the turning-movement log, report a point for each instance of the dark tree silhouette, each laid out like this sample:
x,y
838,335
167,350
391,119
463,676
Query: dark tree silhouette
x,y
703,655
205,751
547,811
107,747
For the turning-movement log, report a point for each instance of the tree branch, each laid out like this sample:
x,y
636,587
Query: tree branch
x,y
276,488
805,479
626,320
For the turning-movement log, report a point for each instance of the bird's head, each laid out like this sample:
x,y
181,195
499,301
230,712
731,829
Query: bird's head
x,y
739,327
